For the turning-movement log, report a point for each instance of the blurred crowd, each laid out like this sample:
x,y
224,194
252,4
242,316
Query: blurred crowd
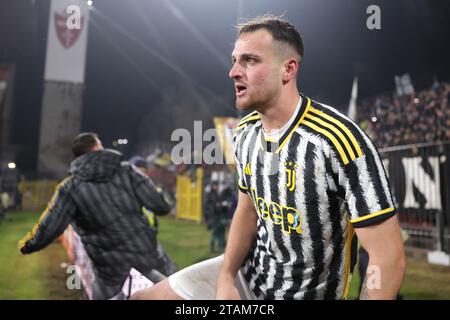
x,y
392,120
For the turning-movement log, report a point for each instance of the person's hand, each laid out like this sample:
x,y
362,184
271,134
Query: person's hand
x,y
226,290
22,247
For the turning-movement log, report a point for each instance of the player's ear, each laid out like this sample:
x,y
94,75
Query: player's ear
x,y
290,68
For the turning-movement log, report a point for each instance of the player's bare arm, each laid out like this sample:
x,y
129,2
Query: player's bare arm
x,y
384,244
241,236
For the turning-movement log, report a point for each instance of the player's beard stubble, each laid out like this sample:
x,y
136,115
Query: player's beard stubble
x,y
258,99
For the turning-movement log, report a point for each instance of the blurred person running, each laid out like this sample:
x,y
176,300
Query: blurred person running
x,y
102,198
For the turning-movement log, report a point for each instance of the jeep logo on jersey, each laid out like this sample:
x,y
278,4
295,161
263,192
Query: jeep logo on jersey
x,y
291,175
66,37
288,217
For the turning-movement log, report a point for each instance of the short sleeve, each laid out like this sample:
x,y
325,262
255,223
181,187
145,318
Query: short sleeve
x,y
367,192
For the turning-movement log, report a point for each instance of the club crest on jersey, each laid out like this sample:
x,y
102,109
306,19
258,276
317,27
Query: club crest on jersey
x,y
291,175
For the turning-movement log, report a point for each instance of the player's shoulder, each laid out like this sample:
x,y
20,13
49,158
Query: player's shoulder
x,y
337,131
332,114
66,184
246,123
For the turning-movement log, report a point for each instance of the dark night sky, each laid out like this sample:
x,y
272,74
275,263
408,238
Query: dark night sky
x,y
131,93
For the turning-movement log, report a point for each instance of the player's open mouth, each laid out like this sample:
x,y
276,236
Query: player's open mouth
x,y
240,90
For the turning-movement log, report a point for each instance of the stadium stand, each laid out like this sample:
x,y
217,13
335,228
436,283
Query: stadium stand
x,y
392,120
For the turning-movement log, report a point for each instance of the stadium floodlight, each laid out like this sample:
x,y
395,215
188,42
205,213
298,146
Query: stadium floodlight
x,y
11,165
89,2
122,141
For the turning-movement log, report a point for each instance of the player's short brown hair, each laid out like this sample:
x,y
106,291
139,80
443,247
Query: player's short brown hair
x,y
281,30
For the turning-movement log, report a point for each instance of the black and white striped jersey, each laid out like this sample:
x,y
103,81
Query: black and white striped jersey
x,y
321,179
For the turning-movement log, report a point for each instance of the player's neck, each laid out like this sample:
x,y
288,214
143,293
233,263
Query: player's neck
x,y
278,114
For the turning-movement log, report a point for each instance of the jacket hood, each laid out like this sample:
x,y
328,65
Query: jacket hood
x,y
97,165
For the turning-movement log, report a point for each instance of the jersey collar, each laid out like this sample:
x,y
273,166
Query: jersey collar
x,y
276,146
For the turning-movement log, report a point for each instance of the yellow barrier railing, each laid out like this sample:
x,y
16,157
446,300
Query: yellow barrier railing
x,y
36,194
189,196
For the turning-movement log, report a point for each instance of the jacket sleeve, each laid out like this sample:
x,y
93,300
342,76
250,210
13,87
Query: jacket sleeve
x,y
53,221
148,194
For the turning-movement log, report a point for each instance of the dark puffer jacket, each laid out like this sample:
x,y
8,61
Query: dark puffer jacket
x,y
102,198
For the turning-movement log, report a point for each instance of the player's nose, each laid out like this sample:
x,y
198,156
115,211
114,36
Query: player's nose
x,y
235,71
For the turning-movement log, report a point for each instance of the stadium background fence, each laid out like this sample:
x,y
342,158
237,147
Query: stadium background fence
x,y
420,181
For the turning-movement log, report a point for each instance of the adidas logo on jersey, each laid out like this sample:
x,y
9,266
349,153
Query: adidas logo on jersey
x,y
247,170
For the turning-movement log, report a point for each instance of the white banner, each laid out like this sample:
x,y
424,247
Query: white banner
x,y
66,41
351,113
403,85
